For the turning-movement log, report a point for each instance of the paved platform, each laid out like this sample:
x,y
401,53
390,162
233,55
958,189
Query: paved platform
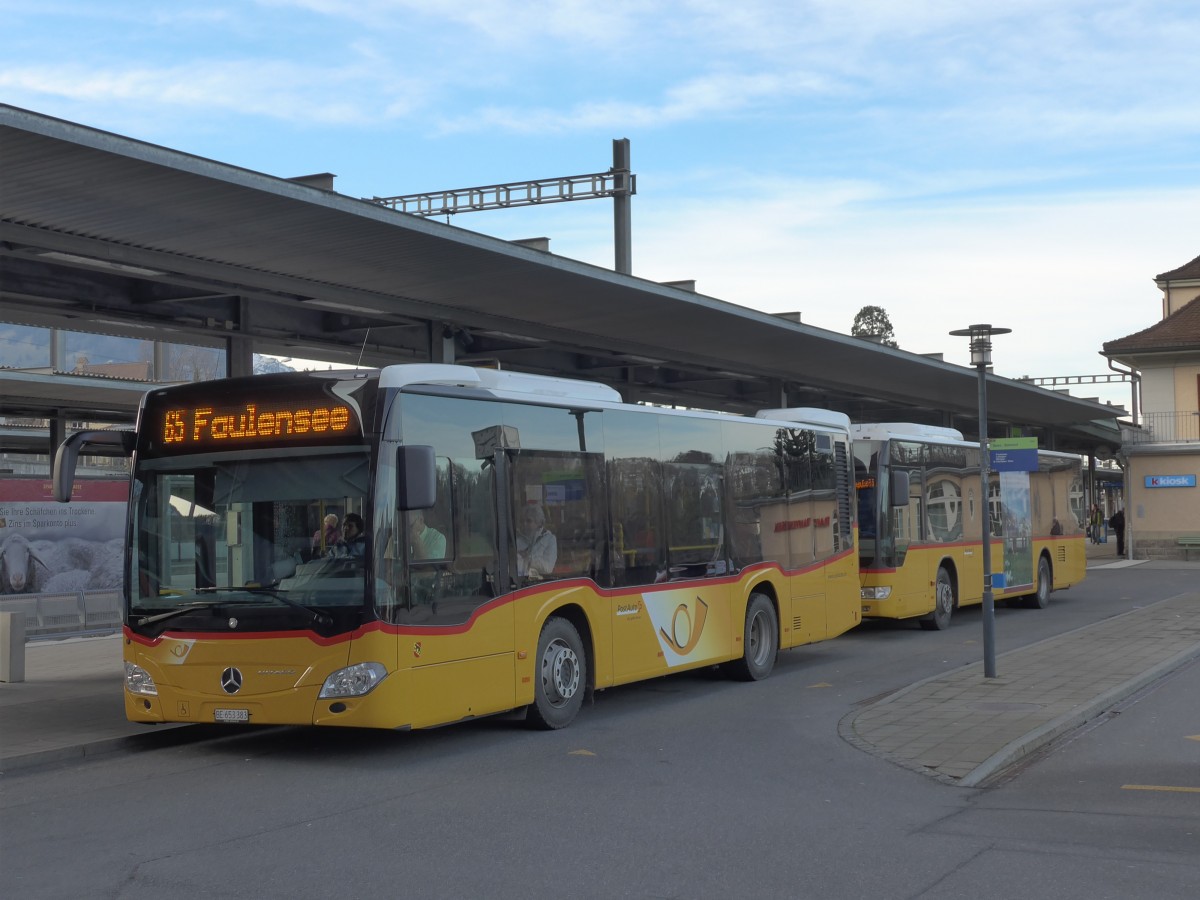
x,y
964,728
958,726
69,706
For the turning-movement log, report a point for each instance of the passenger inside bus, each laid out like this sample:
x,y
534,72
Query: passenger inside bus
x,y
537,547
327,537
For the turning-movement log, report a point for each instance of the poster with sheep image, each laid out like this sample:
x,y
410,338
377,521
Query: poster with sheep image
x,y
50,548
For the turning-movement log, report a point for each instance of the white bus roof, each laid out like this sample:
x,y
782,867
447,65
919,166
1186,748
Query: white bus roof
x,y
523,386
497,381
882,431
807,414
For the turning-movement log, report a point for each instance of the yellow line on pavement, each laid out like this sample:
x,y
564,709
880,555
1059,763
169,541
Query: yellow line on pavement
x,y
1160,787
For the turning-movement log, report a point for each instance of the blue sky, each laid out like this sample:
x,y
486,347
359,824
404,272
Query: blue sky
x,y
1030,163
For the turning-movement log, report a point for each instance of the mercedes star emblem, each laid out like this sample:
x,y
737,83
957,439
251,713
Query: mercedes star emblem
x,y
231,680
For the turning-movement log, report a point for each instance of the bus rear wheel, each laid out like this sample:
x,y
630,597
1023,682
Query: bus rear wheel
x,y
1040,599
561,677
760,641
943,604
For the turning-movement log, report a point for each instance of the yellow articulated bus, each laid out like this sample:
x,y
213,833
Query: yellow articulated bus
x,y
920,524
426,544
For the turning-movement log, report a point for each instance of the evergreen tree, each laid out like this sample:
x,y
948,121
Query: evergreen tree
x,y
873,321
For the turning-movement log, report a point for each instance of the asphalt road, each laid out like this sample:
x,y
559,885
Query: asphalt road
x,y
1112,811
685,787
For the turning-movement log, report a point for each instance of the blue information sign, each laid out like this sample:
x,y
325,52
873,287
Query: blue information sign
x,y
1169,481
1013,455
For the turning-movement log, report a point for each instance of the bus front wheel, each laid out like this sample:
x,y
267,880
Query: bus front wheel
x,y
760,641
561,677
943,604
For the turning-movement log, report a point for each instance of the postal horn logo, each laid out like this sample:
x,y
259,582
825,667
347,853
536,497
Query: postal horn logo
x,y
685,634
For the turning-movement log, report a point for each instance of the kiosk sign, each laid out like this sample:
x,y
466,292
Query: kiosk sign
x,y
1170,481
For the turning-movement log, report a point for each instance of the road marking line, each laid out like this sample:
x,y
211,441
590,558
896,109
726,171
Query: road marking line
x,y
1160,787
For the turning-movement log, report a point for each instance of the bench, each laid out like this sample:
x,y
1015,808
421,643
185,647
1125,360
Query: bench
x,y
1189,542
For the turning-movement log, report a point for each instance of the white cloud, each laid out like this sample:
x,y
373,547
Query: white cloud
x,y
792,154
290,91
1066,274
705,98
502,23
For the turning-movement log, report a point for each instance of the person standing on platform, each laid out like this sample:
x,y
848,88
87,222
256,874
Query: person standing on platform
x,y
1117,523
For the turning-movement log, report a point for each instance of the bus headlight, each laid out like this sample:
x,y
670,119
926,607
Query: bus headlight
x,y
138,681
353,681
875,593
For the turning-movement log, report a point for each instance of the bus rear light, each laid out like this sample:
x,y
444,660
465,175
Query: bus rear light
x,y
138,681
875,593
353,681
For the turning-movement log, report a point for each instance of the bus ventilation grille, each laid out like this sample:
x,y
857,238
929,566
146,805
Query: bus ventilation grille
x,y
1061,554
796,626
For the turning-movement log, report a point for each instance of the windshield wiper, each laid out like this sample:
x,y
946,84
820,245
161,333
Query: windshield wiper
x,y
275,593
179,611
319,617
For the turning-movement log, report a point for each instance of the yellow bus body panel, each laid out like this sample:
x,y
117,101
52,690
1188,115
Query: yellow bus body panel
x,y
912,584
281,676
438,675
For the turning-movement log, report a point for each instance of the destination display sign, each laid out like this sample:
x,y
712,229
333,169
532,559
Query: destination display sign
x,y
294,419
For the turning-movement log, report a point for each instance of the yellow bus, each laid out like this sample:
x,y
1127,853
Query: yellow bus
x,y
426,544
920,523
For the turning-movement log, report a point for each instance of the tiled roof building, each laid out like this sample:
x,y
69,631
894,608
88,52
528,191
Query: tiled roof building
x,y
1187,271
1179,286
1180,331
1161,451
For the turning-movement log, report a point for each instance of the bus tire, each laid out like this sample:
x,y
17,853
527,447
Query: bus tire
x,y
561,677
760,641
943,604
1040,598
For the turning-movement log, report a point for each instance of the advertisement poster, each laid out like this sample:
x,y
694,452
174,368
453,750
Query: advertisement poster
x,y
48,547
1018,536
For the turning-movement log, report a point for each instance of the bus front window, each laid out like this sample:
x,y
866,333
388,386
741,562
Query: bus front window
x,y
257,529
868,503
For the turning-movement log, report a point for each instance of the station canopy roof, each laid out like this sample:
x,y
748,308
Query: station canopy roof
x,y
102,233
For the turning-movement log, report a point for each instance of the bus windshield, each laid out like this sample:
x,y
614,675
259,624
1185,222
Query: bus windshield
x,y
872,512
250,529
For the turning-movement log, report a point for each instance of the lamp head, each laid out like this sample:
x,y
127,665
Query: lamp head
x,y
981,341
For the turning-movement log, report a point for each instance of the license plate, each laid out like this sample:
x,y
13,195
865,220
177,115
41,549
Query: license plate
x,y
231,715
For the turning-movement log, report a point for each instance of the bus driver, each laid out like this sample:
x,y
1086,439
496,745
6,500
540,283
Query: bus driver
x,y
426,542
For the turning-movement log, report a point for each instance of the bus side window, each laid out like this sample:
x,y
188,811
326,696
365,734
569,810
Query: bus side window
x,y
557,511
635,498
448,583
695,519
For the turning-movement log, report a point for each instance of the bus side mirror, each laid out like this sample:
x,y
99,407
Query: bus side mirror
x,y
416,477
899,488
67,456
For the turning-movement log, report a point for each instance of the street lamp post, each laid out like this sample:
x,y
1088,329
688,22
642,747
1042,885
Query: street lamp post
x,y
981,358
